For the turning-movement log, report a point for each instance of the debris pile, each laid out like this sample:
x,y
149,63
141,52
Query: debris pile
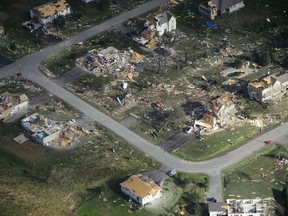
x,y
11,104
111,60
214,114
48,132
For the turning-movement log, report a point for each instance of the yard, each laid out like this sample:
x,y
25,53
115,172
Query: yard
x,y
17,85
263,175
183,193
216,144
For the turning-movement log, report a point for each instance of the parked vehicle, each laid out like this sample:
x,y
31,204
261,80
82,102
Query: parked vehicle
x,y
188,129
172,172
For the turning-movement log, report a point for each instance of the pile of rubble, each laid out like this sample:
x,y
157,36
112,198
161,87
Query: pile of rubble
x,y
111,60
48,132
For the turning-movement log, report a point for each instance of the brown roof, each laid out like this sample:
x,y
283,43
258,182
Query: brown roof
x,y
51,8
140,187
222,100
217,207
23,97
6,113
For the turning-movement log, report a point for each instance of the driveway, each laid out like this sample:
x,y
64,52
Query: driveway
x,y
69,76
5,61
176,141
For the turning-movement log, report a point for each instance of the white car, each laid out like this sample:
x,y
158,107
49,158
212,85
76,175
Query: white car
x,y
172,172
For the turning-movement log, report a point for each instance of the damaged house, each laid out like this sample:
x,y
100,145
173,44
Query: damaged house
x,y
214,8
215,114
237,207
206,123
156,27
11,104
45,131
41,130
162,23
223,107
111,60
268,87
47,12
141,189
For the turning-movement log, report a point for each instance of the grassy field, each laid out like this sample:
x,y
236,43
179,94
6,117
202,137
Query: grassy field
x,y
60,182
179,188
16,85
116,205
216,144
258,176
42,181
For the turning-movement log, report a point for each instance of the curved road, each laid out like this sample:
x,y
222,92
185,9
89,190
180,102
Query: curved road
x,y
213,168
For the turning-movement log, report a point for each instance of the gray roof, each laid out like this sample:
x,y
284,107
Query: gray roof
x,y
224,4
283,78
165,17
217,207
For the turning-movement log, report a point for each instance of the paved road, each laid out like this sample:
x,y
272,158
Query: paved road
x,y
213,167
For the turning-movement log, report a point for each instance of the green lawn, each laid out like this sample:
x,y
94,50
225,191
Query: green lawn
x,y
50,182
216,144
116,205
258,176
180,187
64,61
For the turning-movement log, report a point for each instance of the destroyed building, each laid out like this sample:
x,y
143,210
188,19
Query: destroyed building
x,y
47,12
111,60
42,130
214,114
214,8
162,23
46,132
206,123
69,134
141,189
11,104
155,27
245,207
223,107
268,87
237,207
